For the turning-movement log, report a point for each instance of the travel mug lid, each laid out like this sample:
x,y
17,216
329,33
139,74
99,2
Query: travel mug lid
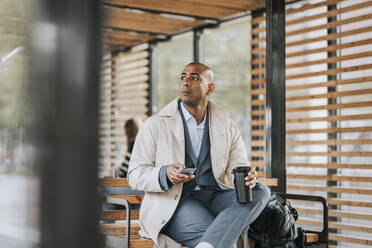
x,y
241,169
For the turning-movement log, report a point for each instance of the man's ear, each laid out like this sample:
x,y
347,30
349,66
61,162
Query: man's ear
x,y
210,88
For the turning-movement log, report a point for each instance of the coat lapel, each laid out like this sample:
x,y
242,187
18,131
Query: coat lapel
x,y
175,120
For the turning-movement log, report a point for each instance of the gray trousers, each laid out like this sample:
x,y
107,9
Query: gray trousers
x,y
214,217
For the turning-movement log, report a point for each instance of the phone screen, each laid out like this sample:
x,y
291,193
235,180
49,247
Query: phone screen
x,y
187,171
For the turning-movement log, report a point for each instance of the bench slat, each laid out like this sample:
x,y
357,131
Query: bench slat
x,y
118,215
312,237
132,199
113,182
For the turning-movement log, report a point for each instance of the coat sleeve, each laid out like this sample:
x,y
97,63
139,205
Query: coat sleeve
x,y
238,152
142,173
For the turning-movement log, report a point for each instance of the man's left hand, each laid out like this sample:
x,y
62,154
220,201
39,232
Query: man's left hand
x,y
251,179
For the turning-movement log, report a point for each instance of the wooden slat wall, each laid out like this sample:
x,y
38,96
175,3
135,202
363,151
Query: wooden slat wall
x,y
329,112
123,95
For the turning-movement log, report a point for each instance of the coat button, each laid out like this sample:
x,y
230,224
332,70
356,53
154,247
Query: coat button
x,y
176,197
162,222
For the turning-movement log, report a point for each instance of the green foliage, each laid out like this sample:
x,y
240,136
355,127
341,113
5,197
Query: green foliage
x,y
13,66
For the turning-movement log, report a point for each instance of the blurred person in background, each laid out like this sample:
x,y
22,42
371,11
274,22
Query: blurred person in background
x,y
131,127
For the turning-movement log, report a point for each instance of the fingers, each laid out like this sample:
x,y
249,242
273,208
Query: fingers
x,y
251,179
174,176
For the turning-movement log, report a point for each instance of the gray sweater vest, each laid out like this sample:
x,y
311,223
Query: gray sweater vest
x,y
204,178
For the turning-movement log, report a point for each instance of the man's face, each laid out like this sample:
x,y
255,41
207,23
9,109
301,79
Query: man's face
x,y
195,86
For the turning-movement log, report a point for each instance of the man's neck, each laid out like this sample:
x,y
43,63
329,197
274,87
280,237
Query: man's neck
x,y
197,111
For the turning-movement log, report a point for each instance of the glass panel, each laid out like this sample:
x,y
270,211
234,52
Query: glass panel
x,y
19,184
228,53
172,58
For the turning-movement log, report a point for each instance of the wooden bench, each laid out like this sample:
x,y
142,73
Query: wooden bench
x,y
120,225
117,224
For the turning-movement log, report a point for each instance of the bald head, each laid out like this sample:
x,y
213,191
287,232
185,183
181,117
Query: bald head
x,y
196,85
203,69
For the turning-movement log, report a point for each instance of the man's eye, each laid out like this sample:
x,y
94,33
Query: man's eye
x,y
183,77
195,78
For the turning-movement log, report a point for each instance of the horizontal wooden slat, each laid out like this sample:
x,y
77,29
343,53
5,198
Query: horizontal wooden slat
x,y
349,239
141,243
258,81
258,102
332,166
258,133
118,215
111,34
332,83
130,93
113,182
345,202
120,42
330,71
349,214
330,130
306,221
258,142
126,79
268,181
350,227
333,189
329,177
257,153
119,228
329,142
318,73
330,95
328,118
305,210
258,112
125,59
312,237
329,154
124,67
331,106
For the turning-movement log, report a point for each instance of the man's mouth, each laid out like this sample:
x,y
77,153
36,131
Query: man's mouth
x,y
186,92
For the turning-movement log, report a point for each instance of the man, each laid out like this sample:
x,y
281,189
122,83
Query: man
x,y
199,210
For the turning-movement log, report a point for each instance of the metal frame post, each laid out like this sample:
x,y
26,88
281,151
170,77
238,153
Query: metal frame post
x,y
153,69
198,46
275,92
332,112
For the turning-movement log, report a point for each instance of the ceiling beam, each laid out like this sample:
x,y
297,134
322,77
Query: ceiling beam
x,y
192,8
146,22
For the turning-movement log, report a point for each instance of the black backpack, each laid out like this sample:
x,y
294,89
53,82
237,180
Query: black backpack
x,y
276,226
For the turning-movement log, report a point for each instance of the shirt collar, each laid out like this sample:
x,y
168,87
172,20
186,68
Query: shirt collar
x,y
188,116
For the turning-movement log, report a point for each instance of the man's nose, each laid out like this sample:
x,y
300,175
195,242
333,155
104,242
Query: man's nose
x,y
187,81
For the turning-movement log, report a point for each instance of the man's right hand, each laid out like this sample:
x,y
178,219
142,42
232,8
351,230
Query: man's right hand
x,y
174,176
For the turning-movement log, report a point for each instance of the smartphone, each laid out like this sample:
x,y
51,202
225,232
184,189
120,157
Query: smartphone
x,y
187,171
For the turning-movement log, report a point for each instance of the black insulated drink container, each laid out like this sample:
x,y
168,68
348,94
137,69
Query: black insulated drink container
x,y
243,192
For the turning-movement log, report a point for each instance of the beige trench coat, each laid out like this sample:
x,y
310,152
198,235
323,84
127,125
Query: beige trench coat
x,y
159,142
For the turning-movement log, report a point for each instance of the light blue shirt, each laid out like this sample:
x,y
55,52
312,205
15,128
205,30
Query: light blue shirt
x,y
196,131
